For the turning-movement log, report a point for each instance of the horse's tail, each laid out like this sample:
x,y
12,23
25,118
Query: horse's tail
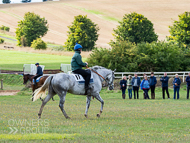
x,y
41,92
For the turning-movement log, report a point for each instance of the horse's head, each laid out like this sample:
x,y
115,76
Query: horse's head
x,y
110,78
25,78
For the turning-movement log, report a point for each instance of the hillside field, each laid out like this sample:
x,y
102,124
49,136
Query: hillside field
x,y
105,13
14,60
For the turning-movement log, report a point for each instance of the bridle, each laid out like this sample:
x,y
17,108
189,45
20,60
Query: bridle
x,y
101,75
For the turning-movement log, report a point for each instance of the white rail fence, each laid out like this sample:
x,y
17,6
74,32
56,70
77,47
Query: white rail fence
x,y
182,74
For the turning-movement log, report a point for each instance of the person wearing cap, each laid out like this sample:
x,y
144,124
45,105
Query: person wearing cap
x,y
164,81
136,81
176,85
153,82
39,72
77,64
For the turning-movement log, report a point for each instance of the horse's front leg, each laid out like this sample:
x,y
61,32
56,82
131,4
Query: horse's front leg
x,y
102,104
88,99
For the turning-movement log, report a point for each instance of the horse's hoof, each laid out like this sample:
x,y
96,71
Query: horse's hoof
x,y
39,117
98,115
86,115
68,117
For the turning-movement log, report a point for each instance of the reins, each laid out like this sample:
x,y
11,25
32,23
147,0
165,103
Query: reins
x,y
96,73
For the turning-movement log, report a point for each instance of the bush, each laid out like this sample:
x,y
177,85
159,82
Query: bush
x,y
135,28
119,57
158,56
6,29
32,27
2,27
180,31
1,40
145,57
39,44
82,31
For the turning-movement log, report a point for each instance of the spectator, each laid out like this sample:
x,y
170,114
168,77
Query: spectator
x,y
153,82
143,91
136,81
145,86
129,86
176,85
188,84
164,81
123,86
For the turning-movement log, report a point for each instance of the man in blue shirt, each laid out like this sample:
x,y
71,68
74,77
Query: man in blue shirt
x,y
188,84
164,81
39,72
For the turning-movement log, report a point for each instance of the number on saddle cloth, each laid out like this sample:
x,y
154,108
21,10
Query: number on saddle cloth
x,y
79,78
38,79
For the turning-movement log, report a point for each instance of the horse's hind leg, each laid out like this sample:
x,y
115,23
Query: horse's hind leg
x,y
102,104
88,99
61,103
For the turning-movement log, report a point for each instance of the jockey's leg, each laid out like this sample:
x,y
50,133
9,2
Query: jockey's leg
x,y
88,99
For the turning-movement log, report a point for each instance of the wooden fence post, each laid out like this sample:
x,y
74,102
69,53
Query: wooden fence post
x,y
2,84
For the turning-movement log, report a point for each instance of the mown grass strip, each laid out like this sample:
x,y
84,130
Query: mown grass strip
x,y
47,136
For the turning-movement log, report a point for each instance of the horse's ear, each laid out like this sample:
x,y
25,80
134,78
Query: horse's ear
x,y
114,70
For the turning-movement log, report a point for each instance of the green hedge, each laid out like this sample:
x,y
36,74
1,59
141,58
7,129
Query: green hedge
x,y
39,44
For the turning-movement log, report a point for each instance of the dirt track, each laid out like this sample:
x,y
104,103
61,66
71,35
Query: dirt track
x,y
61,14
8,92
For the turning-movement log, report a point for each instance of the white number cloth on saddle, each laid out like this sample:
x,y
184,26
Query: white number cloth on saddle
x,y
81,80
38,79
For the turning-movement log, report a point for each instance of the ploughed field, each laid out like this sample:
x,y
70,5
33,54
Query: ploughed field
x,y
121,121
105,13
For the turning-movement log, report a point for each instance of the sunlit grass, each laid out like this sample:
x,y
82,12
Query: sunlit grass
x,y
121,121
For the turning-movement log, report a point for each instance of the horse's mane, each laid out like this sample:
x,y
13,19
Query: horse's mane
x,y
97,67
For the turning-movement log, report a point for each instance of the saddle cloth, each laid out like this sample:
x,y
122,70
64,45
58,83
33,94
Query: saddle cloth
x,y
38,79
81,80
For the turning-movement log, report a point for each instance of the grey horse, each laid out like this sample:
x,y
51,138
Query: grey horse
x,y
62,83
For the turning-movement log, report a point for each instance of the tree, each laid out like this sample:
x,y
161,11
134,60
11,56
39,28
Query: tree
x,y
32,27
180,31
82,31
135,28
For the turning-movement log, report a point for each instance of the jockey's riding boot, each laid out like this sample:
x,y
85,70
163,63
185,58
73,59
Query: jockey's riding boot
x,y
87,89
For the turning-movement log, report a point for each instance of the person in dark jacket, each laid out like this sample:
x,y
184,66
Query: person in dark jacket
x,y
188,84
164,81
176,85
39,72
77,64
145,86
123,86
153,82
136,81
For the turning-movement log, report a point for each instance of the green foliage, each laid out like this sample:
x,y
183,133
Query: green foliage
x,y
158,56
5,28
39,44
1,40
144,57
82,31
135,28
180,31
32,27
119,57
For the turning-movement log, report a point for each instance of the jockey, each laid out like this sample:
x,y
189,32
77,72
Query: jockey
x,y
39,72
77,64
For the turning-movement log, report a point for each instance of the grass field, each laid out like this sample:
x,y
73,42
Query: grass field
x,y
14,60
144,121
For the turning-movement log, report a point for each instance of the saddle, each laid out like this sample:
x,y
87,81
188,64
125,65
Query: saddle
x,y
79,78
38,79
